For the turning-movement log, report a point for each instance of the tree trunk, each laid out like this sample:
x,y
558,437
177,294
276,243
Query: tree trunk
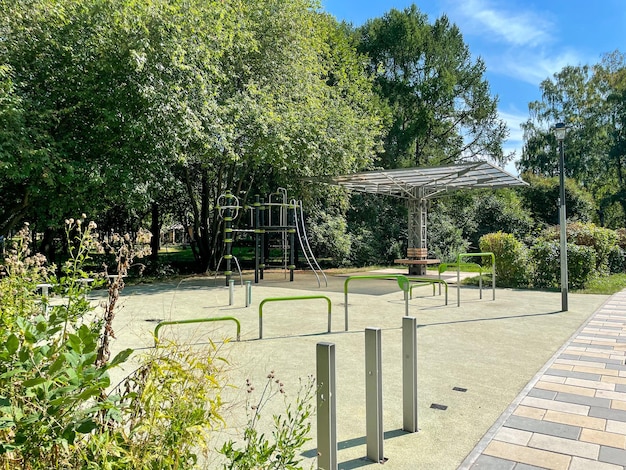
x,y
155,229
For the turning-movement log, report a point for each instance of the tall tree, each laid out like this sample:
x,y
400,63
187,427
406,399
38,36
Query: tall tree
x,y
589,99
442,109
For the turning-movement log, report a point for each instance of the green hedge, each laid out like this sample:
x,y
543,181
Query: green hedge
x,y
546,257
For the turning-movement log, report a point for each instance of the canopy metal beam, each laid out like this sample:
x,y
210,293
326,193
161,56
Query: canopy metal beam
x,y
418,185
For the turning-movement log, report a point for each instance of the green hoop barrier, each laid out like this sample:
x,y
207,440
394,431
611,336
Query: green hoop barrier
x,y
403,283
285,299
195,320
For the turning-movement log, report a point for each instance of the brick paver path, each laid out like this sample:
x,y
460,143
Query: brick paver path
x,y
572,416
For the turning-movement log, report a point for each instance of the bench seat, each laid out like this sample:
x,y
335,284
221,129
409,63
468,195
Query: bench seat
x,y
417,257
417,261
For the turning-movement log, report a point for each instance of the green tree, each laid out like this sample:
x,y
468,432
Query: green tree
x,y
442,110
590,101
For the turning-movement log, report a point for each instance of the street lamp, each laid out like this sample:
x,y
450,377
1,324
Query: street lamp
x,y
559,132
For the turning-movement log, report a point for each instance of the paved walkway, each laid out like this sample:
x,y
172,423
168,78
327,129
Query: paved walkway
x,y
572,415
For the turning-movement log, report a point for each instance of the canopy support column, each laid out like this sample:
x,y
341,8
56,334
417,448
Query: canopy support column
x,y
418,225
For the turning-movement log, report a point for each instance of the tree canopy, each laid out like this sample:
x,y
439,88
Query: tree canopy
x,y
591,101
441,106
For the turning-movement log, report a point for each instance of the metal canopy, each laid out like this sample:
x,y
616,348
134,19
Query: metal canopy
x,y
428,182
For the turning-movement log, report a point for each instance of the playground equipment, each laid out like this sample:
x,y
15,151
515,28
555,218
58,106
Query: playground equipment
x,y
194,320
278,215
403,283
458,275
420,281
283,299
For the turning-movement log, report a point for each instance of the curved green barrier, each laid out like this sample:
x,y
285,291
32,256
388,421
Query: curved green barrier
x,y
458,274
195,320
403,284
420,281
283,299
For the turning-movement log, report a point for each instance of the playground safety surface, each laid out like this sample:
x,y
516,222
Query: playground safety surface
x,y
511,383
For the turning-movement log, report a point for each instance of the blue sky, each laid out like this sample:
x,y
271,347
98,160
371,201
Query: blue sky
x,y
521,41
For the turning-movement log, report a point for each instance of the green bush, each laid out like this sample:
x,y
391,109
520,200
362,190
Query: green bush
x,y
512,267
616,260
546,257
600,239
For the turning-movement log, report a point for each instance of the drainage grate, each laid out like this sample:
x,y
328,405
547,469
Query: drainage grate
x,y
436,406
459,389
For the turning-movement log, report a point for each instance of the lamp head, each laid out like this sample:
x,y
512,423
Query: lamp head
x,y
559,131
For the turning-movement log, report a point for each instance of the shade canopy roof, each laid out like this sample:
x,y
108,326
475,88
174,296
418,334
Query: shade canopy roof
x,y
429,182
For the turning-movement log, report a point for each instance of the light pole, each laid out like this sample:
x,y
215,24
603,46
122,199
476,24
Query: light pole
x,y
559,132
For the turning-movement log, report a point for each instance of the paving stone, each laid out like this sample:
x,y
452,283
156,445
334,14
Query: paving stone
x,y
620,388
544,427
576,420
539,393
527,455
592,346
556,405
487,462
593,384
607,361
573,357
569,389
579,463
564,446
582,400
523,466
618,427
554,379
513,436
603,438
571,373
606,413
612,455
611,395
529,412
620,366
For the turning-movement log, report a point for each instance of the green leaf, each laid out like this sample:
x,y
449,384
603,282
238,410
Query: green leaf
x,y
121,357
86,426
33,382
12,344
57,364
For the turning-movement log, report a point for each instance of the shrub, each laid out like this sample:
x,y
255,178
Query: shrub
x,y
616,260
512,267
53,370
600,239
546,256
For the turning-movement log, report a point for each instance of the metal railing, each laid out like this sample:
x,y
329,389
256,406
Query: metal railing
x,y
195,320
284,299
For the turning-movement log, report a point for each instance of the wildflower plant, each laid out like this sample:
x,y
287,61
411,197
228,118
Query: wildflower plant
x,y
51,390
289,430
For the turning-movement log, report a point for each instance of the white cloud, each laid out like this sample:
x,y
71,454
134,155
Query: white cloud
x,y
514,122
533,66
517,28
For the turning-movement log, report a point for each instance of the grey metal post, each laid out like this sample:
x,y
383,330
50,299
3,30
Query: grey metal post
x,y
345,300
458,282
373,395
406,303
563,223
248,293
231,291
326,407
409,374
